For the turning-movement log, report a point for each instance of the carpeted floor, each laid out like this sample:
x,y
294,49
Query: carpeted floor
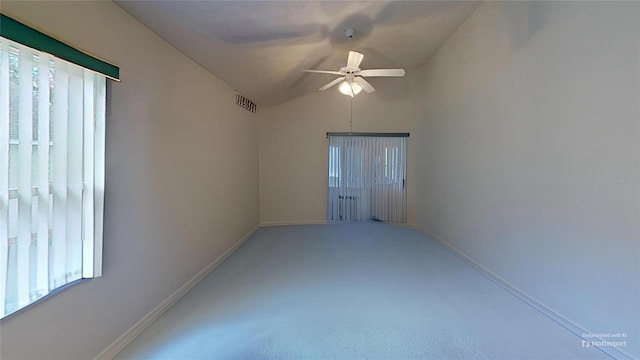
x,y
351,291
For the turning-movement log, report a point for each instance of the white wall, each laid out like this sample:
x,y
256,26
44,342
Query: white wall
x,y
530,160
175,197
524,153
294,147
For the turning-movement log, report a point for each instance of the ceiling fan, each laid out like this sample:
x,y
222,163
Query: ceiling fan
x,y
352,77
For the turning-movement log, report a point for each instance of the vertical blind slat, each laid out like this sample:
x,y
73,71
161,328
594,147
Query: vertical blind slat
x,y
4,170
87,193
59,177
74,174
98,171
25,192
403,170
42,277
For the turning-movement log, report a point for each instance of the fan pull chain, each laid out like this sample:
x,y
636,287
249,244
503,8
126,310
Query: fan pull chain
x,y
350,114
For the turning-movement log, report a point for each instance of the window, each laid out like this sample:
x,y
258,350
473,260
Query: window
x,y
52,117
367,178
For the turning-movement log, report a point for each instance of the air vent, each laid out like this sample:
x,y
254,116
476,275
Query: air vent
x,y
246,103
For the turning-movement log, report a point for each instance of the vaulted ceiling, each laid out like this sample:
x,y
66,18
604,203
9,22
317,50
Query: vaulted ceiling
x,y
260,47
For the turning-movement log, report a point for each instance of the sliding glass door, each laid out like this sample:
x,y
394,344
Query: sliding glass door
x,y
367,178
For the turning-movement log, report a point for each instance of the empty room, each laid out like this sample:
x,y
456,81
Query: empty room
x,y
319,179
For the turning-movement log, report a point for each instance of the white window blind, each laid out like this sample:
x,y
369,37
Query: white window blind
x,y
367,179
52,116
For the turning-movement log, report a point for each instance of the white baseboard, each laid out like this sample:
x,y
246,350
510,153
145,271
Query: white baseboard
x,y
528,299
120,343
287,223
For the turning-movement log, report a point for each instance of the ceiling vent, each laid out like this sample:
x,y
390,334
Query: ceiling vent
x,y
246,103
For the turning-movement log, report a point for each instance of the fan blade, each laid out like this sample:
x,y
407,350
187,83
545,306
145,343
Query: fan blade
x,y
323,72
354,60
364,84
331,84
382,72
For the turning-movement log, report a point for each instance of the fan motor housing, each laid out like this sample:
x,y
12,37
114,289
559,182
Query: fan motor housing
x,y
347,70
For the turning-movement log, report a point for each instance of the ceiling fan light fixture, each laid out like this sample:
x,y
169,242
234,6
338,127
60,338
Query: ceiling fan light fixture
x,y
346,89
350,88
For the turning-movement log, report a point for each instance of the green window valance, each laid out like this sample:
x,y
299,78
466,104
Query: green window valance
x,y
25,35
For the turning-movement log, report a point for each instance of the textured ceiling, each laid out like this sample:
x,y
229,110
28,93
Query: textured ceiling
x,y
259,47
